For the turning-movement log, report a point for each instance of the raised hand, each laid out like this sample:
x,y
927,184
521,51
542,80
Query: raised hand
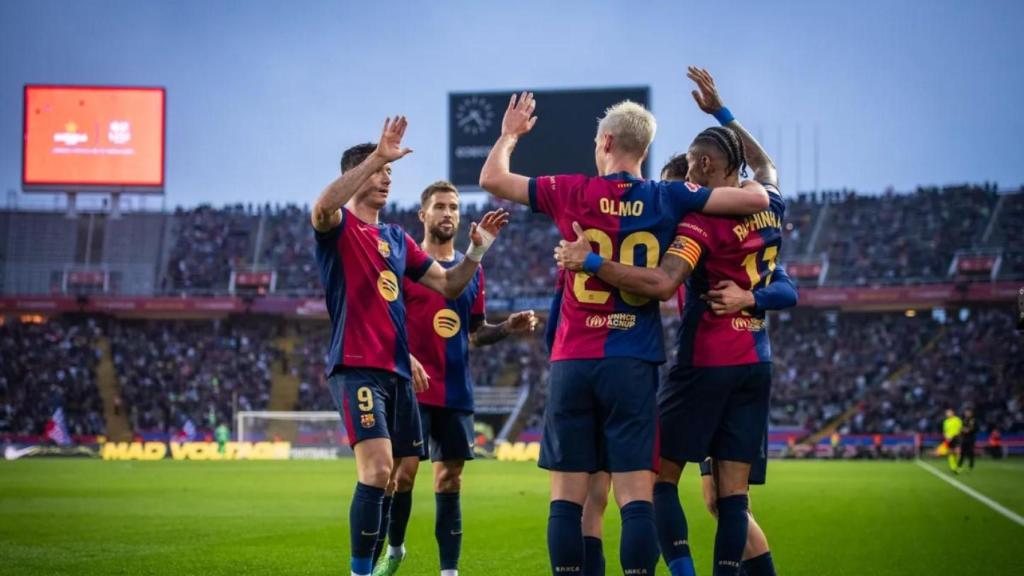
x,y
522,321
519,118
491,223
390,145
570,255
706,96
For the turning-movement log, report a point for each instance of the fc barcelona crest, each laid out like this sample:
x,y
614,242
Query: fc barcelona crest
x,y
384,248
367,420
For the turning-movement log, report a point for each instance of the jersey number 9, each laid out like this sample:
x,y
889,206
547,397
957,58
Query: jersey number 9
x,y
365,397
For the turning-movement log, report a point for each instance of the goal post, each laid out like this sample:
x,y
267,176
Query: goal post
x,y
321,429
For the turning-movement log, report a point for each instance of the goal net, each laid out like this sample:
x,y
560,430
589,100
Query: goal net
x,y
313,429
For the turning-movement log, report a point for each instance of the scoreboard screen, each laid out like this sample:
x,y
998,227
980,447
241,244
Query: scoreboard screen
x,y
562,142
93,138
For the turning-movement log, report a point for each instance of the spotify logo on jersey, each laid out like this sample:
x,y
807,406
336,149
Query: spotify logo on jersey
x,y
387,285
446,323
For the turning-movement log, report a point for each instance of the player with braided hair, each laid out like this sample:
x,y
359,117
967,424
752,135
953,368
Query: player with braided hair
x,y
715,401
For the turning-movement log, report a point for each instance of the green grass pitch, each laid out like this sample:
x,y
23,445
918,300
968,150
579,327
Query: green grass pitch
x,y
80,517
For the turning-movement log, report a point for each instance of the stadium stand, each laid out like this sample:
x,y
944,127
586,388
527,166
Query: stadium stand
x,y
208,244
863,370
171,372
976,361
45,365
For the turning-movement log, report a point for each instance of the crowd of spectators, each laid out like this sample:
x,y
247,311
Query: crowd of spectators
x,y
308,365
174,372
977,362
288,247
903,238
826,361
48,365
1007,235
209,243
888,372
869,239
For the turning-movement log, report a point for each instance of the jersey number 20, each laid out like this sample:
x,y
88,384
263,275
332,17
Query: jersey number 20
x,y
606,250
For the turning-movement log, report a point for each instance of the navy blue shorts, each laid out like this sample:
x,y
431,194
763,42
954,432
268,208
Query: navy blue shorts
x,y
718,412
601,415
447,433
758,470
378,404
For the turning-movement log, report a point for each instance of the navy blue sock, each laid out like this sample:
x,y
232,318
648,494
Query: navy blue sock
x,y
673,532
731,536
364,525
448,529
565,537
401,508
759,565
593,556
638,547
385,520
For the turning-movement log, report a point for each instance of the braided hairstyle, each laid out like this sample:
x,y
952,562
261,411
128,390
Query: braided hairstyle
x,y
729,143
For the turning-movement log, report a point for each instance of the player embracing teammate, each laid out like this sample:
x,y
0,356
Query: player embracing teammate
x,y
602,413
715,400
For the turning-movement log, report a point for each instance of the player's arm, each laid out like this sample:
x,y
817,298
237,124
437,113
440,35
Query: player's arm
x,y
484,334
750,198
710,101
326,213
496,177
728,298
661,282
452,281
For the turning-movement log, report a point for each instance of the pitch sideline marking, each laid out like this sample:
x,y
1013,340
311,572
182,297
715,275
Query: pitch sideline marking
x,y
1017,518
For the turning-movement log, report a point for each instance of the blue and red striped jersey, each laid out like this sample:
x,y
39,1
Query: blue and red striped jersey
x,y
439,338
362,267
629,220
744,250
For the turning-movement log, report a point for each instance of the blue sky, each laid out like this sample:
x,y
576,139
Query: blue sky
x,y
264,96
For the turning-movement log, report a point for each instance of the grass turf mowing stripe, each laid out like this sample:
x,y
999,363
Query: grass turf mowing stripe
x,y
974,494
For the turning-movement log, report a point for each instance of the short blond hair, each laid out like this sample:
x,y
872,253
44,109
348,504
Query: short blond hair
x,y
631,125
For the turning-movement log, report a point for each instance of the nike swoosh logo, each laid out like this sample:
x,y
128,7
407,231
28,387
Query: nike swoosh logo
x,y
454,533
13,453
365,533
417,444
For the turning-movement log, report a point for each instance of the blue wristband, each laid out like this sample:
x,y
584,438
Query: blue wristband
x,y
723,115
592,263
